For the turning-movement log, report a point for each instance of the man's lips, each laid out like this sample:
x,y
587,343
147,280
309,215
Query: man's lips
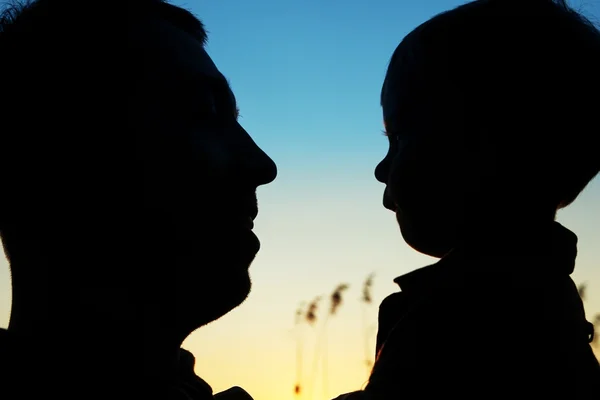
x,y
248,217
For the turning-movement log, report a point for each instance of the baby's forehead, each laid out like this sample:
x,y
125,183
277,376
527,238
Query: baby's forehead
x,y
405,88
390,102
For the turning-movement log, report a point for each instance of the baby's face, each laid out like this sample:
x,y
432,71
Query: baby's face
x,y
429,170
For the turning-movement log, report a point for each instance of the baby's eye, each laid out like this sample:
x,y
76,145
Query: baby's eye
x,y
392,136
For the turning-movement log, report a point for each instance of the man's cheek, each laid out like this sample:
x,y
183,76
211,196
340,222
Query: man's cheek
x,y
212,153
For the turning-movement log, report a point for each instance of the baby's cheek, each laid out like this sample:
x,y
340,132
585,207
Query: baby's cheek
x,y
409,179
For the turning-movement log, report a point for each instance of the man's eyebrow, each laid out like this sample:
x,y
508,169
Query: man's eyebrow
x,y
218,83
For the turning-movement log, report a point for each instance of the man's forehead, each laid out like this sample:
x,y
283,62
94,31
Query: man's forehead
x,y
169,48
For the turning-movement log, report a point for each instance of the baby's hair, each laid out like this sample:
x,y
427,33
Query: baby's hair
x,y
525,71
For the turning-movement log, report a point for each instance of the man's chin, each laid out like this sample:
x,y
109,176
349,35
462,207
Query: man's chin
x,y
216,278
213,301
231,302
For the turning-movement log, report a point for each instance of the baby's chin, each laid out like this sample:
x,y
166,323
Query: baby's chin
x,y
419,237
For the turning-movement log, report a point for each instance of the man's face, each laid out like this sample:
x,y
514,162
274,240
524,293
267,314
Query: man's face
x,y
200,171
426,169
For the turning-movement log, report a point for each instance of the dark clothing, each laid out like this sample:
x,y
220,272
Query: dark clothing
x,y
188,386
514,327
20,378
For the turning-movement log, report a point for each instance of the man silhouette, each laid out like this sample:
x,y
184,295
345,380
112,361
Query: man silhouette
x,y
491,130
122,237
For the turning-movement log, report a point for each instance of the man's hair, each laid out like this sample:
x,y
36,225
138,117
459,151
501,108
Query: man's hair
x,y
61,68
525,70
179,17
61,35
32,15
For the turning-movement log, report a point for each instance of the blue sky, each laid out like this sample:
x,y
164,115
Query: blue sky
x,y
307,75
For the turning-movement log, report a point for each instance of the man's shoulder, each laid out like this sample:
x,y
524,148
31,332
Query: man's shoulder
x,y
9,348
13,382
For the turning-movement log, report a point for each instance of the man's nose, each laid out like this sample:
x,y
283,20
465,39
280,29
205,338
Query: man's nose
x,y
263,168
255,167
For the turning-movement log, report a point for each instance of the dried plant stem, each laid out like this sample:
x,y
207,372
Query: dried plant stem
x,y
318,354
367,335
325,367
299,349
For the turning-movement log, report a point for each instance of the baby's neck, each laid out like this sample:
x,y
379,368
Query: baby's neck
x,y
508,239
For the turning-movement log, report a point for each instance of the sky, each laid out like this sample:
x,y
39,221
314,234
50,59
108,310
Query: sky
x,y
307,76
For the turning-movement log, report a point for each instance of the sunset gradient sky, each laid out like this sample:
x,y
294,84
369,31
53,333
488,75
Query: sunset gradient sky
x,y
307,75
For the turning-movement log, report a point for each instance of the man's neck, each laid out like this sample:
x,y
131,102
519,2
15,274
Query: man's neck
x,y
100,325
